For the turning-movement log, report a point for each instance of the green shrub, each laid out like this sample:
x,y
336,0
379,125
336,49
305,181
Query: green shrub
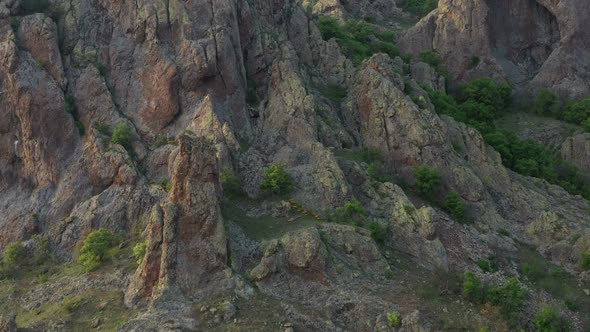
x,y
166,185
394,319
103,128
354,207
586,125
357,39
549,320
139,251
488,92
509,297
578,112
351,212
70,105
455,206
489,264
14,256
428,180
231,185
546,103
334,92
122,135
419,7
378,232
277,180
473,288
95,248
433,59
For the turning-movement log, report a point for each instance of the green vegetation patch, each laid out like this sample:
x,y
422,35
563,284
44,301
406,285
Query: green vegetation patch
x,y
78,312
479,104
277,180
419,8
95,248
358,39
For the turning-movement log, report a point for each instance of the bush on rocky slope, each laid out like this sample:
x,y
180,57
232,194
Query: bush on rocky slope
x,y
427,180
419,7
277,180
479,104
549,320
358,39
94,249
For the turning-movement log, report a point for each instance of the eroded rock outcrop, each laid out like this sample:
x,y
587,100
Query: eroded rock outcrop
x,y
186,246
531,43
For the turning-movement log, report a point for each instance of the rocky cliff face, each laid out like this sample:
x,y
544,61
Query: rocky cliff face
x,y
532,44
205,88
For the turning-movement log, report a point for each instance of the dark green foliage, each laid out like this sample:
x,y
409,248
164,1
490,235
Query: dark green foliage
x,y
14,255
352,212
427,180
473,288
549,320
433,58
277,180
378,232
481,102
357,39
80,126
509,297
487,92
354,207
122,135
103,128
34,6
455,206
334,92
70,106
474,62
578,113
231,185
489,264
546,103
94,249
419,7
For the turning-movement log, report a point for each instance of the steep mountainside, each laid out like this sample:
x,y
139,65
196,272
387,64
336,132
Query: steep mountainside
x,y
533,44
248,172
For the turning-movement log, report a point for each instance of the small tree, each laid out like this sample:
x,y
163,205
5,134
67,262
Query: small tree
x,y
393,319
549,320
14,255
231,184
455,206
472,288
139,251
95,248
427,180
122,135
277,180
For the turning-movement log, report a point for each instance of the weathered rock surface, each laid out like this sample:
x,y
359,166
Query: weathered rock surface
x,y
187,250
532,44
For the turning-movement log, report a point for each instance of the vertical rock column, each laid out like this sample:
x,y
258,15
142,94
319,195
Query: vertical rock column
x,y
187,247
